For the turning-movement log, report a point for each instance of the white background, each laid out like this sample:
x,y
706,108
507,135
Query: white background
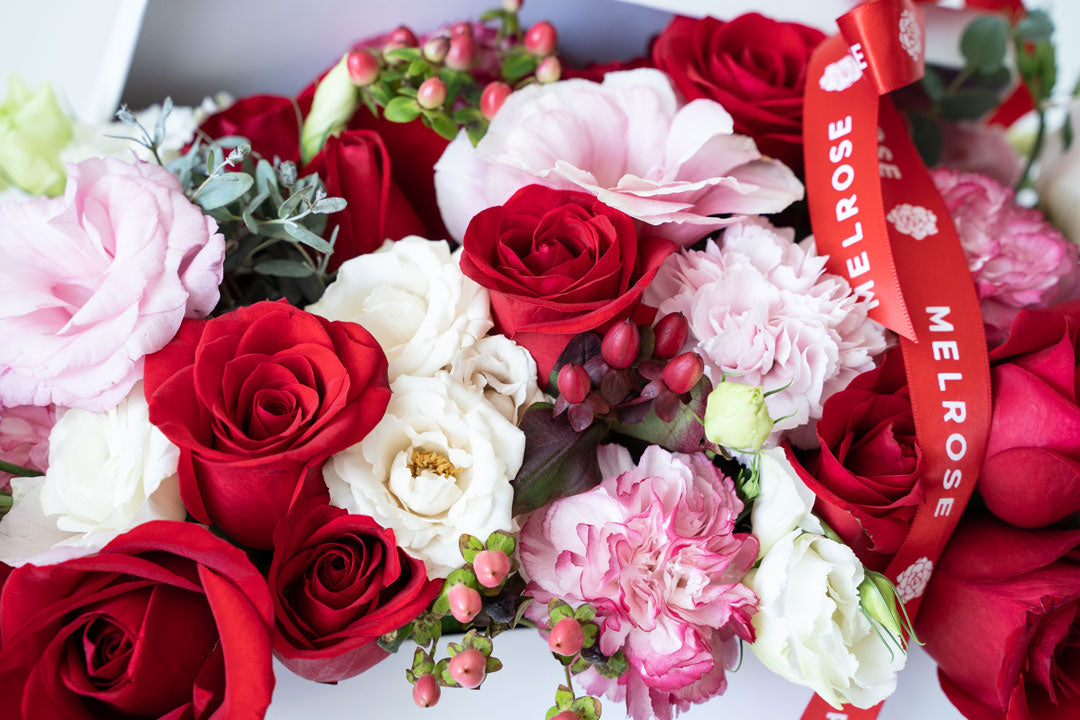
x,y
192,48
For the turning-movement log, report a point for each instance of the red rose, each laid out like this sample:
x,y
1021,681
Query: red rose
x,y
1002,618
866,474
269,122
354,165
1031,475
338,582
167,621
256,400
754,66
558,263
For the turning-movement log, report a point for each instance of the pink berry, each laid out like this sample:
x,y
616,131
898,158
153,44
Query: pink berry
x,y
436,48
461,28
683,372
566,715
549,70
671,333
464,603
426,692
541,39
363,67
493,97
462,53
403,37
621,344
566,637
491,567
468,668
573,383
432,93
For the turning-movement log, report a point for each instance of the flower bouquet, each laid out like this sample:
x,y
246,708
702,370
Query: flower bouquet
x,y
753,343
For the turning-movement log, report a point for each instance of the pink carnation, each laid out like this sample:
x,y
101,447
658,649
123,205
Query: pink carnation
x,y
763,309
24,437
628,142
653,548
1017,258
97,279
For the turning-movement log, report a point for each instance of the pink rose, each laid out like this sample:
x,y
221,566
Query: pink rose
x,y
1018,260
629,142
97,279
653,548
24,437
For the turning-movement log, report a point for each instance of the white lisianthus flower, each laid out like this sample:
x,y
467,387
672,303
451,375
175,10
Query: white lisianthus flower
x,y
108,472
412,296
503,371
437,465
809,626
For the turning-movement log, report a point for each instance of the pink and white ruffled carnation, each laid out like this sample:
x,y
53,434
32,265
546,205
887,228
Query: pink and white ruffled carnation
x,y
24,437
97,279
1017,258
629,142
653,548
763,310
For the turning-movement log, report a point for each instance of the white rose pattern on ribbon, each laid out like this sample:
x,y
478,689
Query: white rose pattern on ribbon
x,y
910,35
912,583
840,75
913,220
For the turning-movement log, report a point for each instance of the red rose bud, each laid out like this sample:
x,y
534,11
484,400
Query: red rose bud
x,y
541,39
403,37
464,603
549,71
671,333
363,67
566,637
461,28
621,344
462,53
432,93
573,383
491,567
468,668
683,372
493,97
426,692
436,48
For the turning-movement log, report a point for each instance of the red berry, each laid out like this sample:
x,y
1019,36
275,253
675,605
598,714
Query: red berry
x,y
683,372
491,567
493,97
549,70
671,333
432,93
426,692
403,37
363,67
573,383
464,603
461,28
436,48
566,637
462,53
566,715
541,39
621,344
468,668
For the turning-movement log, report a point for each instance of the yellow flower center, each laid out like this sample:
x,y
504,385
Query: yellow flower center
x,y
433,461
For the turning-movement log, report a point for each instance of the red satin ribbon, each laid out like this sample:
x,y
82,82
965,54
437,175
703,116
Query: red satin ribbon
x,y
876,213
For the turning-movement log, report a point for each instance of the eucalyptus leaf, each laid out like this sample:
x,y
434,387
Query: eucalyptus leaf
x,y
224,189
1035,26
402,110
967,104
159,128
290,206
984,42
283,267
329,205
302,234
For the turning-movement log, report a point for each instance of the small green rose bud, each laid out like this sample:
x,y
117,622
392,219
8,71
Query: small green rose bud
x,y
335,101
736,416
879,601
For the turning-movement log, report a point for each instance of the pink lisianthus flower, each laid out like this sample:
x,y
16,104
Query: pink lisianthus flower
x,y
24,437
97,279
629,142
1017,258
762,309
653,548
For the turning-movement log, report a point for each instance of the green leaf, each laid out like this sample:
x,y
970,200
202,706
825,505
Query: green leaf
x,y
518,66
427,628
402,110
461,576
493,665
984,42
417,67
473,640
381,93
442,671
558,460
684,433
453,649
580,665
290,206
410,676
492,14
564,696
967,104
520,613
391,641
1035,26
283,267
408,54
1038,68
926,135
502,541
330,205
443,125
557,610
585,613
466,115
469,546
476,132
441,606
18,470
933,84
589,631
587,708
614,667
224,189
302,234
552,712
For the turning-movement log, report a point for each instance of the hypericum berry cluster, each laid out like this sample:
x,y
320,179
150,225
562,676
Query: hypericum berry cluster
x,y
438,80
637,369
572,637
